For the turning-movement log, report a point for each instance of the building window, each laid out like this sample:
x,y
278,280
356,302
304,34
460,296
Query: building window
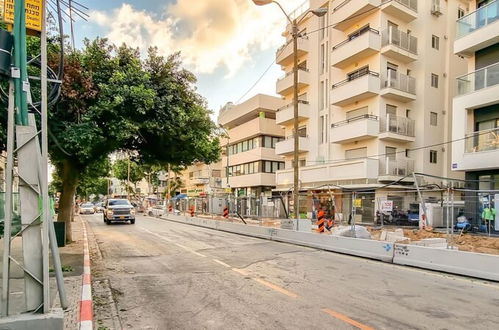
x,y
433,156
356,153
460,13
434,80
435,42
433,119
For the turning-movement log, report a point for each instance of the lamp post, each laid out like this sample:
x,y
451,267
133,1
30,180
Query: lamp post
x,y
295,35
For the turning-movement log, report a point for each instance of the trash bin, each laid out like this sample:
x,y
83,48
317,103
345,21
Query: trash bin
x,y
60,233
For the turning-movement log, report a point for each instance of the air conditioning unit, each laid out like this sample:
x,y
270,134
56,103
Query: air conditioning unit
x,y
435,9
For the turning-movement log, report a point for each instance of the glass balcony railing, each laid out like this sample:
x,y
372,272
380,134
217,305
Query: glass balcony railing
x,y
483,16
400,82
480,79
398,125
487,140
403,40
396,166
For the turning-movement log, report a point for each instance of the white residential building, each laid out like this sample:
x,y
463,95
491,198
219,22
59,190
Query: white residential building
x,y
376,81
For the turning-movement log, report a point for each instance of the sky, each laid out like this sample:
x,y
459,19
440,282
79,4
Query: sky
x,y
227,44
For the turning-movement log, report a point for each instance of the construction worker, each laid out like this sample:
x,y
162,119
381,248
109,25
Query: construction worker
x,y
488,215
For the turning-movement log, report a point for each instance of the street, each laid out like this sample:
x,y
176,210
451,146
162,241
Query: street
x,y
166,275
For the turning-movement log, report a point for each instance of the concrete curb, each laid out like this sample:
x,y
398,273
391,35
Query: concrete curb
x,y
470,264
86,310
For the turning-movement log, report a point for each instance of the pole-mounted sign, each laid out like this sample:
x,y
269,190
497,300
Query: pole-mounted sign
x,y
33,13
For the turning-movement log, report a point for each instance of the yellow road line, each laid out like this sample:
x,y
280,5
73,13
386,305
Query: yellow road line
x,y
221,263
346,319
276,288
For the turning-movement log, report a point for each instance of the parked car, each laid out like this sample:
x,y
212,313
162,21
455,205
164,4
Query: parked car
x,y
119,210
99,207
156,211
87,208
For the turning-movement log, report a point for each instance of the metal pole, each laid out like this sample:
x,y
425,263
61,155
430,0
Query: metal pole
x,y
44,172
295,122
422,222
128,179
8,203
447,199
452,218
354,196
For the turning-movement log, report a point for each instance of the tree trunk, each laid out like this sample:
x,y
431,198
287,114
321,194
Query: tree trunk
x,y
66,202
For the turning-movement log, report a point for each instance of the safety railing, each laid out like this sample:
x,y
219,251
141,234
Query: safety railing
x,y
480,79
398,125
355,35
399,81
353,119
478,19
358,75
290,105
287,74
486,140
403,40
396,167
411,4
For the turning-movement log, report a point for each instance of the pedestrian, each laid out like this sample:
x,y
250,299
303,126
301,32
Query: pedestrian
x,y
488,215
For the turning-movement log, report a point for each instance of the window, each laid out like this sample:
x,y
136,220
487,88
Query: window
x,y
321,96
267,142
302,131
357,113
321,129
391,110
433,119
460,13
434,80
391,153
435,42
433,156
356,153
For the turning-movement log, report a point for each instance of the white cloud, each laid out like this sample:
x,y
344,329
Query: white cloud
x,y
209,33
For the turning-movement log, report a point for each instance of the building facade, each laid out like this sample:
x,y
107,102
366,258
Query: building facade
x,y
476,105
200,179
249,160
376,81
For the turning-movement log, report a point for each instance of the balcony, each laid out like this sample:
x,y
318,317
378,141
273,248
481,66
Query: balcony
x,y
478,80
355,88
284,86
355,129
255,127
481,151
362,44
287,147
284,55
358,171
398,86
399,45
349,12
397,129
200,181
394,169
251,180
477,30
483,141
285,115
406,10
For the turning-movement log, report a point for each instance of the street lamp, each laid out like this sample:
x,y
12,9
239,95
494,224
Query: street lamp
x,y
295,34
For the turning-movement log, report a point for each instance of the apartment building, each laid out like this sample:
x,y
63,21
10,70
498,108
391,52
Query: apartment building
x,y
249,160
476,106
376,80
202,179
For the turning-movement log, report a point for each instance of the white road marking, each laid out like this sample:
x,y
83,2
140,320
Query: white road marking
x,y
222,263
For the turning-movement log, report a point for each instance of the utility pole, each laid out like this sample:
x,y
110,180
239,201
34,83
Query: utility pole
x,y
128,178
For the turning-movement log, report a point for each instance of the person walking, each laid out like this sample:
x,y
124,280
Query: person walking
x,y
488,215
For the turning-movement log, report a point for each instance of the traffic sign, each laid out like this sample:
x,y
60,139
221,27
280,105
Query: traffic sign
x,y
33,13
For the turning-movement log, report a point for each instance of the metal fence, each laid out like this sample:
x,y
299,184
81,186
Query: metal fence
x,y
16,219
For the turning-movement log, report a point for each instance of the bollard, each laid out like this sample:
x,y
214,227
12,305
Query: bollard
x,y
320,221
170,208
226,212
192,211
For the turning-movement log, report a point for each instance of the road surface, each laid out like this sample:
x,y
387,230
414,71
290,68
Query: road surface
x,y
166,275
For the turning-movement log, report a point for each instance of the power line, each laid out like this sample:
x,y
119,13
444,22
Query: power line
x,y
257,81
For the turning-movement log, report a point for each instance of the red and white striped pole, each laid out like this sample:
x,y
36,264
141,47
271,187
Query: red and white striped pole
x,y
86,310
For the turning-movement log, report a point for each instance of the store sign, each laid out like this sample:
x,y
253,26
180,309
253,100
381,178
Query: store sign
x,y
34,13
386,206
357,202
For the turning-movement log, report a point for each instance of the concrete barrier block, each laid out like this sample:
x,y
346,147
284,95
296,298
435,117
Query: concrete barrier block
x,y
255,231
485,266
346,245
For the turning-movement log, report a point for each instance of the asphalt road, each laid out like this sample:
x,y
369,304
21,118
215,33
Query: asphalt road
x,y
166,275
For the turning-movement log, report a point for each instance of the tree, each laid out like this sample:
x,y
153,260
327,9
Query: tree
x,y
125,169
112,101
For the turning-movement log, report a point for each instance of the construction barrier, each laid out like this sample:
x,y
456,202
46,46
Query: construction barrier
x,y
320,221
191,211
450,261
226,212
477,265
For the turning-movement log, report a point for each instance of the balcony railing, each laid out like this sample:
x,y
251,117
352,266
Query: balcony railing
x,y
397,125
411,4
482,17
350,120
480,79
358,75
393,36
399,81
287,74
280,49
487,140
355,35
396,167
287,106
